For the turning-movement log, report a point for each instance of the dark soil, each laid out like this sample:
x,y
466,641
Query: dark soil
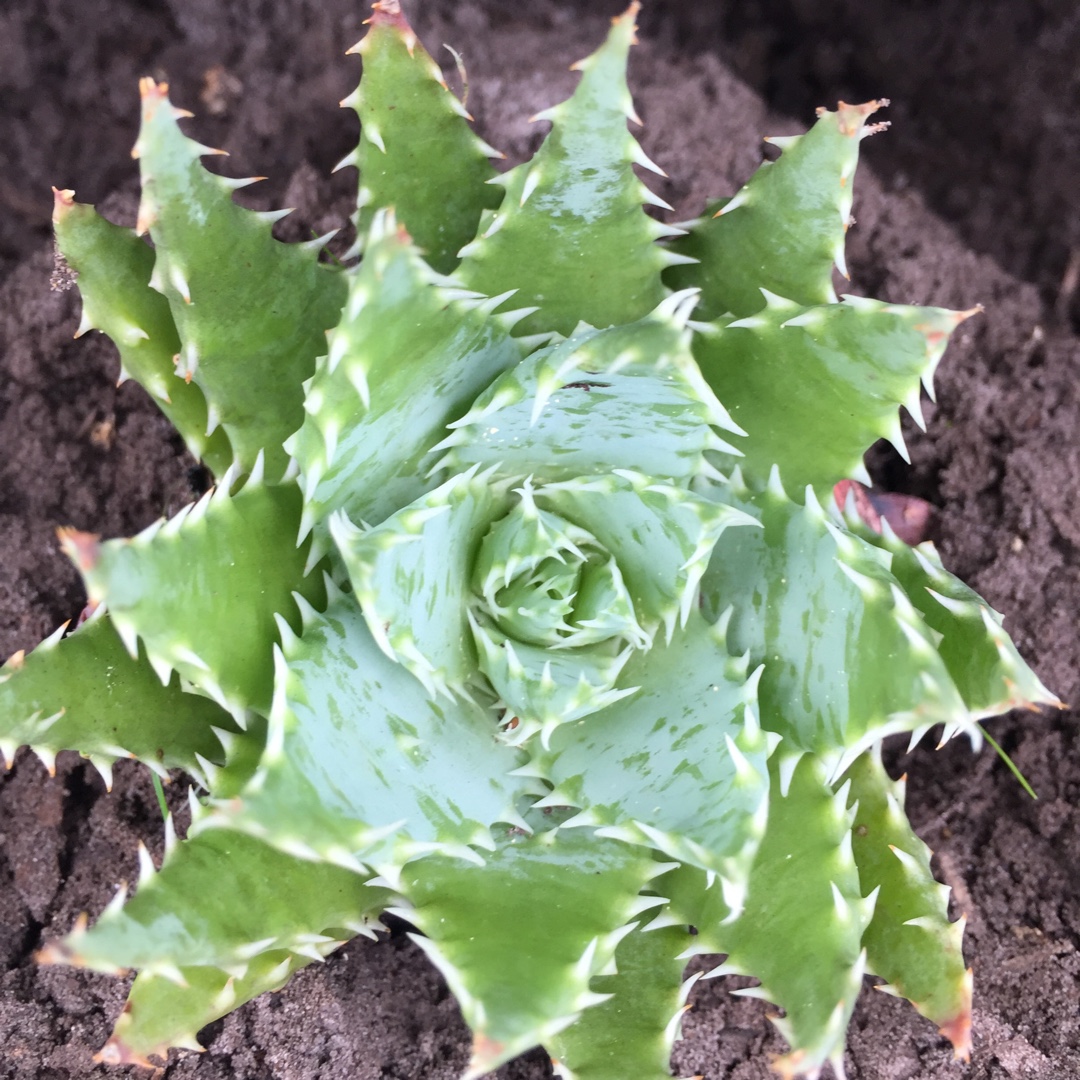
x,y
971,198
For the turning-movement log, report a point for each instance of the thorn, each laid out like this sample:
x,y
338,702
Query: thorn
x,y
532,181
150,90
146,220
851,118
373,135
63,201
147,870
104,770
179,282
270,216
114,1052
234,183
958,1029
82,548
737,200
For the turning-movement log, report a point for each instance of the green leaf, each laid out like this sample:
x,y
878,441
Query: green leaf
x,y
630,397
661,536
541,687
251,312
520,938
545,582
411,575
848,659
679,765
784,230
803,919
990,674
361,764
84,692
202,589
815,387
159,1014
404,361
631,1034
243,752
551,616
416,152
570,234
221,899
910,941
114,268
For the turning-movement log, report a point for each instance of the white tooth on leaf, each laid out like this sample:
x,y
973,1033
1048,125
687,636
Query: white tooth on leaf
x,y
346,161
162,668
85,324
235,183
168,971
532,181
179,282
127,635
104,770
373,135
114,906
787,768
913,403
170,834
46,756
650,198
741,198
783,142
227,739
147,870
317,243
270,216
639,157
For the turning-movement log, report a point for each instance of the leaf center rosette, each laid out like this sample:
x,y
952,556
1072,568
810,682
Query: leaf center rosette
x,y
555,552
538,593
551,616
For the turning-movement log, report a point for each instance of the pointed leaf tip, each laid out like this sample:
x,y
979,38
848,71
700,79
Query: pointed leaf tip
x,y
629,15
958,1029
150,90
81,548
63,201
852,117
486,1054
114,1052
387,13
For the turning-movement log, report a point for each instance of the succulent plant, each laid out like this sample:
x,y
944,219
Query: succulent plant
x,y
521,607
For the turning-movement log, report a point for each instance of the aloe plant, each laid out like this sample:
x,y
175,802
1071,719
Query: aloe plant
x,y
520,607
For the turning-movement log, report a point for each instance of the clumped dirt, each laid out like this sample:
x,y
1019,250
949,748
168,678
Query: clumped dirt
x,y
972,198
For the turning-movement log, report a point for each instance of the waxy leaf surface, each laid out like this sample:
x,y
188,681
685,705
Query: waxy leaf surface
x,y
570,234
202,589
404,362
362,763
555,906
410,122
679,765
114,267
251,312
910,941
815,387
630,1034
84,692
847,657
784,230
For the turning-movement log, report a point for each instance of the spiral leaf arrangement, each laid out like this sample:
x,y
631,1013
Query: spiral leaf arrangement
x,y
520,607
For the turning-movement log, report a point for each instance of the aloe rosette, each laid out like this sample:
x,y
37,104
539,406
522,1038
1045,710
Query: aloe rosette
x,y
520,607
